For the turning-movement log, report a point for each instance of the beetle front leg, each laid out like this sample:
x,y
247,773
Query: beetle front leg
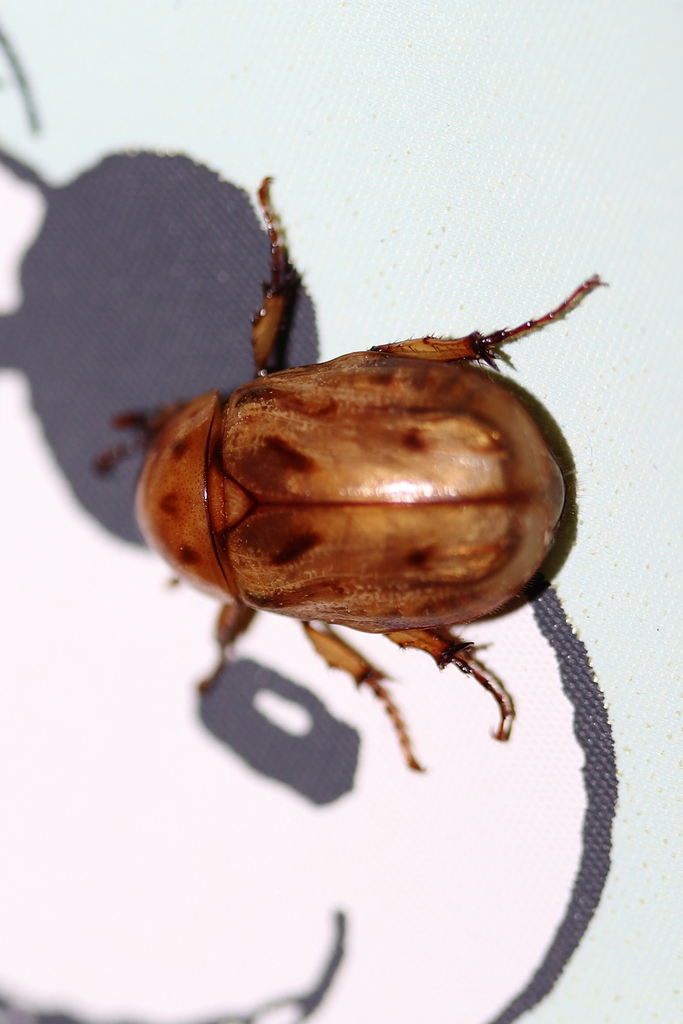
x,y
338,654
234,619
145,425
273,318
447,649
478,346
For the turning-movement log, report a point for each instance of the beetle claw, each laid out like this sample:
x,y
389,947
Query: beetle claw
x,y
495,687
450,654
482,349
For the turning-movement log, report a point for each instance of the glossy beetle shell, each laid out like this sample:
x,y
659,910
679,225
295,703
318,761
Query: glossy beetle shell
x,y
372,491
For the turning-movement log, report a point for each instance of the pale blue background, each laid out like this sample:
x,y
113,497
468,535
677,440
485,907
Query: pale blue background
x,y
443,166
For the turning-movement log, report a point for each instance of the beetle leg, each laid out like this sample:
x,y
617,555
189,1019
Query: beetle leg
x,y
447,649
273,318
338,654
234,619
146,427
478,346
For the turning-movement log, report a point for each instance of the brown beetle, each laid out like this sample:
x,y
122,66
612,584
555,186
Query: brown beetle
x,y
396,491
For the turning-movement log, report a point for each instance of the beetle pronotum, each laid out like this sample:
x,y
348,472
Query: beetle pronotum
x,y
396,491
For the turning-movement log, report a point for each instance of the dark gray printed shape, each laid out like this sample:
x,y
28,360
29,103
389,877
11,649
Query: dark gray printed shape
x,y
21,83
139,291
320,765
298,1007
594,736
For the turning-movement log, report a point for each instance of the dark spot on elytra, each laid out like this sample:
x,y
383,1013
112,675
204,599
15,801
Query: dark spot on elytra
x,y
296,547
329,408
188,555
264,600
383,375
259,393
290,456
169,503
179,447
418,557
413,441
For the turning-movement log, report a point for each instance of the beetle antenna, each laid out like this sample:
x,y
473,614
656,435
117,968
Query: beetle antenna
x,y
107,459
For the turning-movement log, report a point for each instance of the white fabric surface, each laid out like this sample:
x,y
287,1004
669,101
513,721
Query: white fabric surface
x,y
443,166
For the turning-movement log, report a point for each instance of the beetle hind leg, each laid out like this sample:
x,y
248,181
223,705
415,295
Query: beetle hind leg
x,y
447,649
479,346
338,654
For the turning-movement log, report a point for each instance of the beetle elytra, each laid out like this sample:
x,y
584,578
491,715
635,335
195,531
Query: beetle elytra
x,y
397,491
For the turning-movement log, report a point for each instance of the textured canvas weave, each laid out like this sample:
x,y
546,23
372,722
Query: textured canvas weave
x,y
440,167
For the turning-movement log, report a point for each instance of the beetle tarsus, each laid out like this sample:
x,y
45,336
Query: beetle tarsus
x,y
373,681
447,649
338,654
506,705
478,346
511,334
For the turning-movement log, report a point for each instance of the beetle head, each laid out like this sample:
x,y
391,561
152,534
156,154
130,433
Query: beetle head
x,y
172,499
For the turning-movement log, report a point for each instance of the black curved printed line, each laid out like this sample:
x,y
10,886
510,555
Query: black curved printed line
x,y
22,83
304,1004
594,736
